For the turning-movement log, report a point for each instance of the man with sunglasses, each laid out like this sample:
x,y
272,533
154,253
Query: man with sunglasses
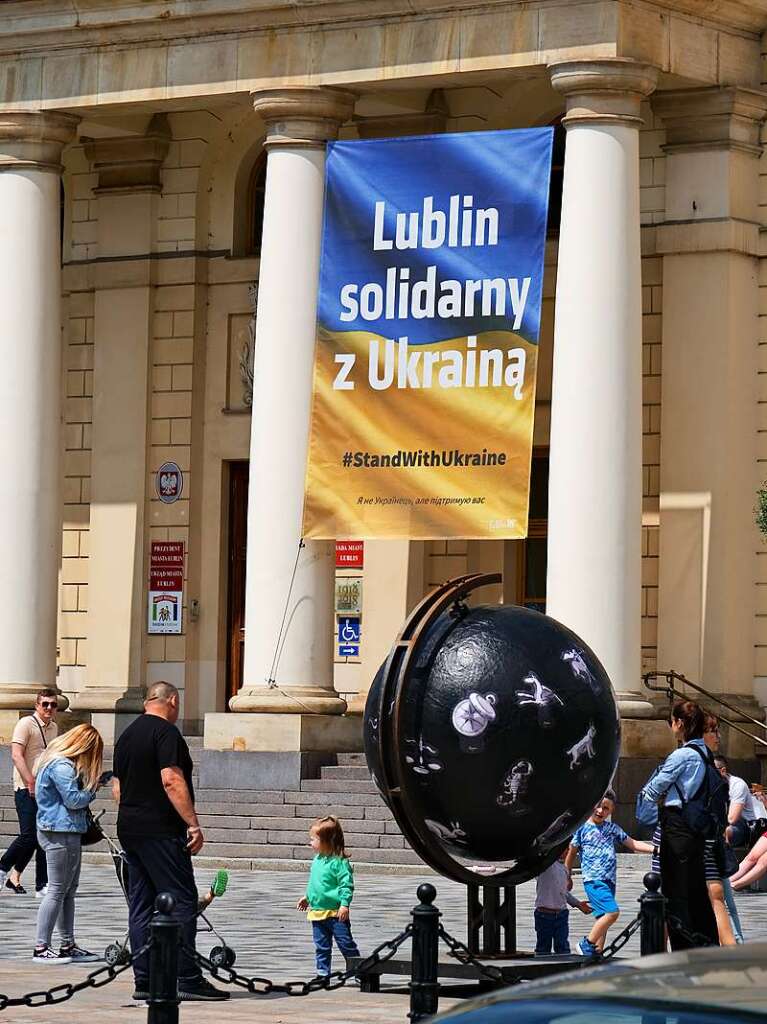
x,y
31,736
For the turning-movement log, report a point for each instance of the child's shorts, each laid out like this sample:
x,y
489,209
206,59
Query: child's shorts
x,y
601,896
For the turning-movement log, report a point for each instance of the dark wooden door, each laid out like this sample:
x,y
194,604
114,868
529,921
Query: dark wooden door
x,y
238,533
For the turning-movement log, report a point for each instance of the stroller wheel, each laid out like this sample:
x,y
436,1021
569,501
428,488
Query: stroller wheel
x,y
114,954
217,956
222,956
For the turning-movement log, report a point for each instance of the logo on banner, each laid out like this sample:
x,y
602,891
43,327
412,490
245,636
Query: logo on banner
x,y
427,337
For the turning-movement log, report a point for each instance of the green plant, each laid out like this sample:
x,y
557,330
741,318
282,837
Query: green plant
x,y
760,512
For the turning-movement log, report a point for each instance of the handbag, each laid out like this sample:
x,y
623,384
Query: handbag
x,y
93,832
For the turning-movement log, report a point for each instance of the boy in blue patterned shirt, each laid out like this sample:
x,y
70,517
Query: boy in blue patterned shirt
x,y
596,841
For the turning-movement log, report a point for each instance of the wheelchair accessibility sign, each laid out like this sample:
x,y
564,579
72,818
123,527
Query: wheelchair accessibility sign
x,y
349,636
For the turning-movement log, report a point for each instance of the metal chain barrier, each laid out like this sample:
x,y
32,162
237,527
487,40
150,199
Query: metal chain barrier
x,y
694,938
620,940
61,993
264,986
463,954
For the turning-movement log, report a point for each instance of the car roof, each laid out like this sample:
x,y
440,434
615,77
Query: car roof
x,y
733,977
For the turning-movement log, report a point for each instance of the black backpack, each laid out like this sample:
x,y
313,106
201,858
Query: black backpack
x,y
705,812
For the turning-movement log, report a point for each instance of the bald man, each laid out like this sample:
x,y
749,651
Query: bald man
x,y
159,831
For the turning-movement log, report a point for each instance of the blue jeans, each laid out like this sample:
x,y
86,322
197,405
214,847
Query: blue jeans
x,y
732,909
552,929
323,933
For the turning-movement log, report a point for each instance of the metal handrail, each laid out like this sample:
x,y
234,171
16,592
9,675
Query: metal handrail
x,y
671,691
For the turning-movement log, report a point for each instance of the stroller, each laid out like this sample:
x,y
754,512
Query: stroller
x,y
118,953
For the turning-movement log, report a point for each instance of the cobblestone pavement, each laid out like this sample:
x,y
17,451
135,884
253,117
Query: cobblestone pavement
x,y
257,919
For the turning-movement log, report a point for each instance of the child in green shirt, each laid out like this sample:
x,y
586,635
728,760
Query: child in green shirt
x,y
329,893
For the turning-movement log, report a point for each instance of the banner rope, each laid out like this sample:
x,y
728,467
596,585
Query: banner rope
x,y
271,681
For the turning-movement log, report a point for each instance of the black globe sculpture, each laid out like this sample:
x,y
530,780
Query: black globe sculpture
x,y
491,733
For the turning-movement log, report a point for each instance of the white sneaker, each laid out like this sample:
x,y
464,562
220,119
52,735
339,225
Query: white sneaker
x,y
39,893
47,956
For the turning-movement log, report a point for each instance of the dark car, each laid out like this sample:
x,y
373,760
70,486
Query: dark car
x,y
699,986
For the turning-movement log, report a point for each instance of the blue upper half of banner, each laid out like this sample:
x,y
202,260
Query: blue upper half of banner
x,y
436,237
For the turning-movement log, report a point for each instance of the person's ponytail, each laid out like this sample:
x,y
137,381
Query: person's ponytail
x,y
692,717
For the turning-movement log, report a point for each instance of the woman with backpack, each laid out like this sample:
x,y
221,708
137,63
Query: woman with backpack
x,y
688,817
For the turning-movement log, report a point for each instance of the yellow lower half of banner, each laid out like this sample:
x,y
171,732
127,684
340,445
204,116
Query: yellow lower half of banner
x,y
420,441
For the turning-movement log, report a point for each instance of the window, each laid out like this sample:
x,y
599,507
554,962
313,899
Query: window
x,y
531,584
255,206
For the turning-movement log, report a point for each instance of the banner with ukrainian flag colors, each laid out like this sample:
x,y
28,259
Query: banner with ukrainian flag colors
x,y
427,336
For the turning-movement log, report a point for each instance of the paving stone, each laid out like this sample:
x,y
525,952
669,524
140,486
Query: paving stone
x,y
257,917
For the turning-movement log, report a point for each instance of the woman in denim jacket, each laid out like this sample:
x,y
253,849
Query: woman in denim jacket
x,y
67,779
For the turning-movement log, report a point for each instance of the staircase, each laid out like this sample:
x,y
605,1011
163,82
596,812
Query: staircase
x,y
269,829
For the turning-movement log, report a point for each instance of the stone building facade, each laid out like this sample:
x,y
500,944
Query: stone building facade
x,y
161,187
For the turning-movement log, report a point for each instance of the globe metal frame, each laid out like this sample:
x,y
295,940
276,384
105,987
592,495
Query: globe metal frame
x,y
393,781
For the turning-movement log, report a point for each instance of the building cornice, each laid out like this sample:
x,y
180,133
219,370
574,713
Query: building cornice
x,y
35,25
108,54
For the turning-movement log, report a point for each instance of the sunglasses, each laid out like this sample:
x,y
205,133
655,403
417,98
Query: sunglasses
x,y
49,704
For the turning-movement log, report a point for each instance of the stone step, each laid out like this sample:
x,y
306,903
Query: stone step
x,y
352,759
304,853
256,828
346,786
345,771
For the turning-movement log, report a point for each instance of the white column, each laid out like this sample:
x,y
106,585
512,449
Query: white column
x,y
595,482
299,121
30,387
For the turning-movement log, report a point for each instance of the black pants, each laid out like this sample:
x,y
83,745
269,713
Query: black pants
x,y
683,875
19,853
155,866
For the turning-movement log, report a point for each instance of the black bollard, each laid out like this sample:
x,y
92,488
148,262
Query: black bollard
x,y
652,910
163,963
424,986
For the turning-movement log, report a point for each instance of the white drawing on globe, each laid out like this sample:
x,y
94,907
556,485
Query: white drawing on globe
x,y
473,715
556,831
452,833
541,695
515,786
373,723
580,668
423,761
583,748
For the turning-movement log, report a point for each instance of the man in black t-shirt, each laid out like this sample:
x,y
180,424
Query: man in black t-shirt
x,y
159,832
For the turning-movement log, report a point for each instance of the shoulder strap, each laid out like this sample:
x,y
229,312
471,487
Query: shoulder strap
x,y
708,761
42,734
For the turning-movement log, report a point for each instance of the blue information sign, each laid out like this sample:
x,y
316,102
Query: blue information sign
x,y
349,631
